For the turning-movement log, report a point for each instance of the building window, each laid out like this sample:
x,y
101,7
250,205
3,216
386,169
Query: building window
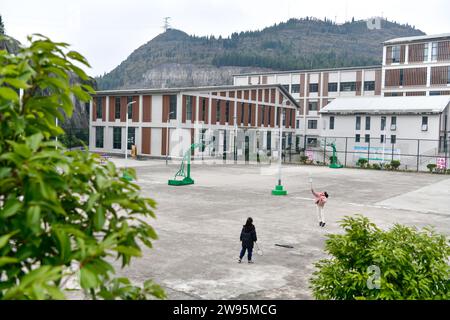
x,y
312,106
284,117
332,87
367,138
295,88
369,85
269,113
424,123
448,75
117,108
357,137
348,86
367,123
358,123
434,51
242,113
217,110
173,107
269,140
130,106
382,137
117,138
395,54
393,123
285,86
99,108
263,109
298,124
331,123
131,137
312,124
99,131
249,113
204,109
425,52
227,111
401,77
383,123
393,139
189,108
313,87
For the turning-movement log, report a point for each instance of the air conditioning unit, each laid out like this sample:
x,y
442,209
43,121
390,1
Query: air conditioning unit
x,y
393,127
424,127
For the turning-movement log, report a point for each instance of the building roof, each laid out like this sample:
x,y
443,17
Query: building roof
x,y
307,71
398,105
120,92
441,36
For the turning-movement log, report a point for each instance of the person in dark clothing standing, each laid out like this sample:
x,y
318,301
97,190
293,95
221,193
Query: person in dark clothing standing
x,y
248,237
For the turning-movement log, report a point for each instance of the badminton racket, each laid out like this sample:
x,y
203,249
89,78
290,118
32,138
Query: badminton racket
x,y
259,252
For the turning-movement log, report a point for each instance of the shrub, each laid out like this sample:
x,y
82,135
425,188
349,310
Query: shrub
x,y
395,164
62,213
376,166
362,162
303,159
431,167
368,263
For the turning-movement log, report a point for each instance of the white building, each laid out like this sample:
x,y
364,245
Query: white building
x,y
386,128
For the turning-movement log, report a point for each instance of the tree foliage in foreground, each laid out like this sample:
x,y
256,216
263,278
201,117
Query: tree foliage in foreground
x,y
369,263
62,212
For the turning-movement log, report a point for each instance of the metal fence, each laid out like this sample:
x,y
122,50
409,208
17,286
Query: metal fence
x,y
413,154
75,137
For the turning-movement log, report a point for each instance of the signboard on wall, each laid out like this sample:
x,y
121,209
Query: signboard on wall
x,y
441,163
376,153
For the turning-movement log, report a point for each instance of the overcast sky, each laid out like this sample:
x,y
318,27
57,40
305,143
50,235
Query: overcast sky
x,y
107,31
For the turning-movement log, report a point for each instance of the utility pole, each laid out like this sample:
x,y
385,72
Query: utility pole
x,y
125,173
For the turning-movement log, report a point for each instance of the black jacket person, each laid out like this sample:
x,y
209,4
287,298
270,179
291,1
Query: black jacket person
x,y
248,237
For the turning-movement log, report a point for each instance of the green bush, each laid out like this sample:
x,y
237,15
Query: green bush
x,y
376,166
395,164
431,167
62,213
303,159
362,162
369,263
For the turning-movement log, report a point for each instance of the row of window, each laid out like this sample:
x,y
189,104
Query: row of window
x,y
395,56
383,123
333,87
382,138
117,137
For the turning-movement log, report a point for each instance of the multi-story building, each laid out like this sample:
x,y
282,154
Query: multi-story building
x,y
417,66
411,129
314,89
235,122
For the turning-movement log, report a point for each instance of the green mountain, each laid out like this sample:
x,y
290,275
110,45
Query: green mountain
x,y
175,58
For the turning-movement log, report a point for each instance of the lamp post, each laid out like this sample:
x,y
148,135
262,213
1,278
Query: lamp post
x,y
279,191
125,173
167,136
235,140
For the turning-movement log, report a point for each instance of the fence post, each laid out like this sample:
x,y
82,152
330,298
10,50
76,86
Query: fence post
x,y
345,159
392,152
418,154
324,150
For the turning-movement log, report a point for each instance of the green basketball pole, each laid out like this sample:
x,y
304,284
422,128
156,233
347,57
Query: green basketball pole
x,y
279,191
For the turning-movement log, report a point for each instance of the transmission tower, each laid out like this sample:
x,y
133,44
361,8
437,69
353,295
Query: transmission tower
x,y
166,25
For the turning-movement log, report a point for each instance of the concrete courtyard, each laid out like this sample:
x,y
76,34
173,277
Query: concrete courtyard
x,y
199,225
